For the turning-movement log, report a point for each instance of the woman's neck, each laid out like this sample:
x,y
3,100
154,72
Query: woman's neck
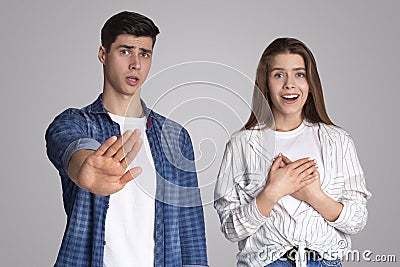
x,y
286,124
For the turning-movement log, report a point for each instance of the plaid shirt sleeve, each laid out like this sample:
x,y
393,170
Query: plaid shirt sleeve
x,y
66,135
192,232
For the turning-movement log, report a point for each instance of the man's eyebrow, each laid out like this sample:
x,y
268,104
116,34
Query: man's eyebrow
x,y
134,47
126,46
149,51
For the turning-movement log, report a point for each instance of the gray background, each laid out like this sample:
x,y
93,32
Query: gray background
x,y
49,62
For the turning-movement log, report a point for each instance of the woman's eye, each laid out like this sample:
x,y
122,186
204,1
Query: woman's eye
x,y
278,75
301,75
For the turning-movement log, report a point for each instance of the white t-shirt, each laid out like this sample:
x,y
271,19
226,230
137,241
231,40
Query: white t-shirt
x,y
299,143
129,227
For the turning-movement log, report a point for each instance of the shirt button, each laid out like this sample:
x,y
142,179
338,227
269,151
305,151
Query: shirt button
x,y
104,243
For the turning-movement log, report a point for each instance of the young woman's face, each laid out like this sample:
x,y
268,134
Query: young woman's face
x,y
288,86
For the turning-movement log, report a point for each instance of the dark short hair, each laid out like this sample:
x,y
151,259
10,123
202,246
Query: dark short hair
x,y
127,22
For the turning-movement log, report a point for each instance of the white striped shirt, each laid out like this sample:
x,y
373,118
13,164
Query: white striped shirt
x,y
247,159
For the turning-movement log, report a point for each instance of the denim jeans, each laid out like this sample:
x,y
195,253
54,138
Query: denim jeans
x,y
284,262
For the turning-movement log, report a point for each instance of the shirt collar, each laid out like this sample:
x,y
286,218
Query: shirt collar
x,y
97,107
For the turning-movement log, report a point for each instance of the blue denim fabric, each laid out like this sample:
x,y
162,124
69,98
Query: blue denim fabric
x,y
179,226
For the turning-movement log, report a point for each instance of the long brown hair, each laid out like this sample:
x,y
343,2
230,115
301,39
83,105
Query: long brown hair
x,y
314,109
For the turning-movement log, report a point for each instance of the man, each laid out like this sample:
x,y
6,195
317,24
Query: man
x,y
111,220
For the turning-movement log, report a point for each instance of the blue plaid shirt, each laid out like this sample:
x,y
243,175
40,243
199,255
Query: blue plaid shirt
x,y
179,224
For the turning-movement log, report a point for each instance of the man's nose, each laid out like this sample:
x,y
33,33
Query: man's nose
x,y
135,62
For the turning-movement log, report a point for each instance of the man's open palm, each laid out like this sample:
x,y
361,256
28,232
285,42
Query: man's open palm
x,y
104,171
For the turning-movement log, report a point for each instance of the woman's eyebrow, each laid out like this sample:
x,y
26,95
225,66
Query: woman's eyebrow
x,y
278,68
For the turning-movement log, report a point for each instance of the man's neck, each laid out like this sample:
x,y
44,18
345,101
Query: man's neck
x,y
123,105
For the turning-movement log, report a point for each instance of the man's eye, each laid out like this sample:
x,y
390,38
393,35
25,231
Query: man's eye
x,y
125,52
145,54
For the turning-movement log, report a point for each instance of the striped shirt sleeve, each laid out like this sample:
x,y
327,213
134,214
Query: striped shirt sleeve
x,y
354,197
235,193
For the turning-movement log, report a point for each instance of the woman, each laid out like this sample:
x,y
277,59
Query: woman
x,y
290,189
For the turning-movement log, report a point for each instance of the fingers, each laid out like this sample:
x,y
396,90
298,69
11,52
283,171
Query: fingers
x,y
282,164
131,155
299,165
277,162
103,148
127,145
306,169
112,145
314,175
118,147
308,180
130,175
306,165
286,160
303,168
115,149
300,162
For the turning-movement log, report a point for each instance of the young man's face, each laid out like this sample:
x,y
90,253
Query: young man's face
x,y
127,64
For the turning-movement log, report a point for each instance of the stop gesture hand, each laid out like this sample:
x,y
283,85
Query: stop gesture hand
x,y
103,171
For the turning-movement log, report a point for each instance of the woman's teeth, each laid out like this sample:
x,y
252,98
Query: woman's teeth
x,y
291,97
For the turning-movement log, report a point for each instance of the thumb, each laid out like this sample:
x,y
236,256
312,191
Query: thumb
x,y
286,160
277,162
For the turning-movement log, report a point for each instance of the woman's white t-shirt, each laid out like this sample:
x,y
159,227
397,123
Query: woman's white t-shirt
x,y
301,142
